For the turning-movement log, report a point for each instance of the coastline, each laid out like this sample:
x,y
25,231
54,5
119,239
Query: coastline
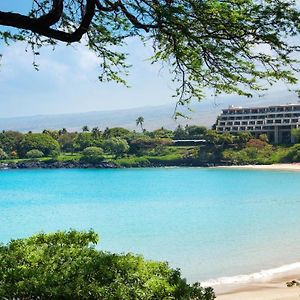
x,y
272,290
279,167
268,284
112,165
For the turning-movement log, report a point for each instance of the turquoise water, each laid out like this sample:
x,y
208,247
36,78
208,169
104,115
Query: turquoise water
x,y
208,222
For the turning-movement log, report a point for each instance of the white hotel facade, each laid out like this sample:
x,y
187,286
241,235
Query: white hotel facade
x,y
276,121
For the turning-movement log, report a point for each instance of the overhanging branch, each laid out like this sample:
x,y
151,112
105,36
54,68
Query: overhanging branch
x,y
42,25
54,15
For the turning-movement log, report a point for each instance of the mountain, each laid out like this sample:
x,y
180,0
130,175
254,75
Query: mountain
x,y
155,117
203,113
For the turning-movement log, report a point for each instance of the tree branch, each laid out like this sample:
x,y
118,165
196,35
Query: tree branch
x,y
134,21
54,15
42,25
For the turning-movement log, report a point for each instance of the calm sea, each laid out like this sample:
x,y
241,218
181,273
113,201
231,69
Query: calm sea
x,y
208,222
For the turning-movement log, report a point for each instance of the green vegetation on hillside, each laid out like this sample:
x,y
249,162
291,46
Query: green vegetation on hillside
x,y
190,146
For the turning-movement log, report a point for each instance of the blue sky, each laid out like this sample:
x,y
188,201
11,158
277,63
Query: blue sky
x,y
67,79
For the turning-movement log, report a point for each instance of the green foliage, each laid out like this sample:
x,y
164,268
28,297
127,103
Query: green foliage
x,y
34,153
242,138
212,137
116,132
209,153
10,140
143,144
180,133
264,138
161,133
256,151
196,132
66,141
161,150
292,154
85,128
39,141
92,155
96,132
133,161
68,157
3,154
296,134
53,133
82,141
208,44
169,159
152,148
115,146
190,132
66,265
139,122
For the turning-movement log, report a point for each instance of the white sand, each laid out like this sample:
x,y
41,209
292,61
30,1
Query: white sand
x,y
267,285
264,291
284,167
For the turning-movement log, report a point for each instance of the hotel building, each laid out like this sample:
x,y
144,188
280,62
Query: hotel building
x,y
276,121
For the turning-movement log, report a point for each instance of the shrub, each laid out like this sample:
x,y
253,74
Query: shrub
x,y
92,154
34,153
296,134
257,144
10,140
144,144
82,141
131,162
293,154
39,141
3,154
66,265
115,146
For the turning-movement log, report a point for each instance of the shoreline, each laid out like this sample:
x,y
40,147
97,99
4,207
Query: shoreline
x,y
279,167
271,290
112,165
268,284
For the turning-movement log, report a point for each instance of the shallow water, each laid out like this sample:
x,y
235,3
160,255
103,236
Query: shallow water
x,y
209,222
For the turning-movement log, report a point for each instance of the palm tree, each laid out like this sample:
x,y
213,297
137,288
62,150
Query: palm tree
x,y
85,128
96,131
139,122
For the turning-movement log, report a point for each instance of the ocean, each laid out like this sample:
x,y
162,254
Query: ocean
x,y
211,223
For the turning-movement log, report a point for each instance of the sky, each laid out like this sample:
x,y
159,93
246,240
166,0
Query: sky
x,y
67,79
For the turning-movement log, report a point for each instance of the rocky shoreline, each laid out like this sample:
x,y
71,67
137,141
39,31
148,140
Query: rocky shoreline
x,y
56,165
82,165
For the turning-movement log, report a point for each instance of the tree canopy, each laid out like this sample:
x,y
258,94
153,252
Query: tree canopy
x,y
38,141
231,46
66,265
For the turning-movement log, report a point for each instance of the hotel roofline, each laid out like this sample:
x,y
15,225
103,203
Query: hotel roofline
x,y
231,107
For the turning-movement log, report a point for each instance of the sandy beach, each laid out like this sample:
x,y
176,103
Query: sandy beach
x,y
282,167
275,290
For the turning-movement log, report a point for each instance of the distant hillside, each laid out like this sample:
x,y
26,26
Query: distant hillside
x,y
155,117
204,113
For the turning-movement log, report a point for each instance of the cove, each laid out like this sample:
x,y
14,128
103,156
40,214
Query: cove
x,y
208,222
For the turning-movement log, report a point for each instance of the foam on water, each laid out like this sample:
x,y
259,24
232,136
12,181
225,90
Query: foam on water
x,y
262,276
